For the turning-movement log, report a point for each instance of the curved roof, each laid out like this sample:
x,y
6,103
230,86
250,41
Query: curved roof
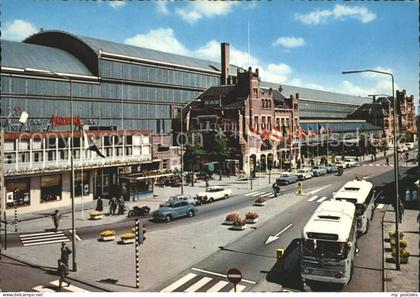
x,y
341,126
312,94
23,55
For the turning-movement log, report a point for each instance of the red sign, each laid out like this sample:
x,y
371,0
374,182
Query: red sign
x,y
64,121
234,276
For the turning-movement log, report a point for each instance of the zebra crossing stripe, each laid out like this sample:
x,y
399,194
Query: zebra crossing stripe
x,y
239,288
179,282
321,199
198,284
70,288
313,198
36,234
259,193
380,205
42,289
370,164
267,194
250,194
378,164
218,286
46,242
43,238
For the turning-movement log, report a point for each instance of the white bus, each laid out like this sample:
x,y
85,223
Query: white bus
x,y
359,192
328,244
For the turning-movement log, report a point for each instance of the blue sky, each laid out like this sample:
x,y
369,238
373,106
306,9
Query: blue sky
x,y
304,43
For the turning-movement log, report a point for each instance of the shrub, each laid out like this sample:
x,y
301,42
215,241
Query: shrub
x,y
96,213
403,253
260,199
128,235
392,233
232,217
251,215
239,222
108,233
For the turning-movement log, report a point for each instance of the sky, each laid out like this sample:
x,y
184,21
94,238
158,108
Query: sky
x,y
300,43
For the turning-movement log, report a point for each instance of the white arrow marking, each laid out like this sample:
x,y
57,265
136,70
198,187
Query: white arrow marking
x,y
276,236
75,235
319,189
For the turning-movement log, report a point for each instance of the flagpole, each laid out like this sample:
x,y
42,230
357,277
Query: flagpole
x,y
328,134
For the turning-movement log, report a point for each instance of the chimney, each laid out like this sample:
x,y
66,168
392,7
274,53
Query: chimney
x,y
225,63
297,96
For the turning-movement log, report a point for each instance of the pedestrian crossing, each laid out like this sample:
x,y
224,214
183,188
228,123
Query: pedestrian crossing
x,y
52,287
314,198
377,165
194,282
43,238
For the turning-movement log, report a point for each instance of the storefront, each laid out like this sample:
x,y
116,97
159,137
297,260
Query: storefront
x,y
51,188
18,192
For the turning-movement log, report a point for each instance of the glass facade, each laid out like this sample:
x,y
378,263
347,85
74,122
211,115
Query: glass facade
x,y
319,110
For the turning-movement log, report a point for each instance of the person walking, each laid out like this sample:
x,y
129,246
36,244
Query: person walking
x,y
121,205
274,190
99,204
63,271
65,252
56,219
387,160
112,206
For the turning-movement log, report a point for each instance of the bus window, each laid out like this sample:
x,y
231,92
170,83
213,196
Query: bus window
x,y
325,249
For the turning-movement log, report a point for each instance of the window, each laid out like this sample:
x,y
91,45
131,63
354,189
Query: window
x,y
50,188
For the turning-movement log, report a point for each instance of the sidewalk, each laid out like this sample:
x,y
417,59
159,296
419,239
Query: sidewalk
x,y
407,278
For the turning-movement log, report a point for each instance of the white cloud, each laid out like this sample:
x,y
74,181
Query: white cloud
x,y
162,39
161,7
373,75
383,86
289,42
340,12
199,9
18,30
116,3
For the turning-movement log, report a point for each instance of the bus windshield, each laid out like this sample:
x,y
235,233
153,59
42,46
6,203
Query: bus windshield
x,y
360,209
325,249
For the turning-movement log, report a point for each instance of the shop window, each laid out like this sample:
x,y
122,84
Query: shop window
x,y
79,185
51,188
22,196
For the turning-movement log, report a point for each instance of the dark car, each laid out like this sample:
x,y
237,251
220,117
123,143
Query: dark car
x,y
175,209
331,168
286,179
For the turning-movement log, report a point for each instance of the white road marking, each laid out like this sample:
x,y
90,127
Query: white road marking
x,y
46,242
259,193
250,194
42,289
44,239
221,275
378,164
370,164
43,233
70,288
198,284
265,195
321,199
313,198
380,205
239,288
179,282
217,287
75,233
319,189
276,236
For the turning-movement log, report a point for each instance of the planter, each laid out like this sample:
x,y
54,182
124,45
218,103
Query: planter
x,y
403,260
127,240
251,221
239,227
98,217
228,222
107,238
260,203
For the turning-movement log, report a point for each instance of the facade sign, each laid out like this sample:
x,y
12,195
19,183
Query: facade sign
x,y
64,121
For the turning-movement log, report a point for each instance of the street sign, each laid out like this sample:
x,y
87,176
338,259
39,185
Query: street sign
x,y
234,276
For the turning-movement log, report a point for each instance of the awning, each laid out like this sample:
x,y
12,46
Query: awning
x,y
141,177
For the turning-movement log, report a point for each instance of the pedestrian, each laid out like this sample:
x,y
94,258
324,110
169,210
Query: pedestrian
x,y
63,271
277,190
387,160
56,219
384,153
121,205
112,205
274,190
65,252
99,204
207,181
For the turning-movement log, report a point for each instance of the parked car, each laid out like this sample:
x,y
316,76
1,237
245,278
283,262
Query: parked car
x,y
286,179
319,170
351,162
175,209
331,168
304,173
214,193
340,164
192,200
402,148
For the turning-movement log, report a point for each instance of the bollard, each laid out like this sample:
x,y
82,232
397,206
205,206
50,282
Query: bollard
x,y
280,262
16,217
300,188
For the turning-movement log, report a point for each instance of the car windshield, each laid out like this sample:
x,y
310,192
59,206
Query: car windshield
x,y
325,249
301,171
214,190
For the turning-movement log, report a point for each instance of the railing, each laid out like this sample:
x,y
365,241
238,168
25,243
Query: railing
x,y
64,165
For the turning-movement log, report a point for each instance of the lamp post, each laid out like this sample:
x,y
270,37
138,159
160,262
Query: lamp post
x,y
396,166
73,228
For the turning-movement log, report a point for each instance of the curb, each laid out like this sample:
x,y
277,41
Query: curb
x,y
71,278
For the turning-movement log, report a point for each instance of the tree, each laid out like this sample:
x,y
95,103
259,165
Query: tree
x,y
220,150
193,151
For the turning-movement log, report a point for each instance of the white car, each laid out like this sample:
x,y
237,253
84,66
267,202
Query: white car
x,y
350,163
304,173
214,193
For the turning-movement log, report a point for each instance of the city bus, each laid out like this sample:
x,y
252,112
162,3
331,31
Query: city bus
x,y
328,244
361,193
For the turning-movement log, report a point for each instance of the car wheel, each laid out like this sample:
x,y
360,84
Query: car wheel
x,y
211,200
130,214
226,196
168,218
190,213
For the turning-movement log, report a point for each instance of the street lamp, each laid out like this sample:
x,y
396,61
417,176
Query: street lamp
x,y
73,228
396,166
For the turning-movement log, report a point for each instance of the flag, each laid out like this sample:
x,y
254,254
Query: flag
x,y
276,134
252,131
288,133
303,134
311,132
89,144
265,134
321,129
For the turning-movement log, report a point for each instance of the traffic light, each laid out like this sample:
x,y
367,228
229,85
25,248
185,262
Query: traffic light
x,y
140,232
